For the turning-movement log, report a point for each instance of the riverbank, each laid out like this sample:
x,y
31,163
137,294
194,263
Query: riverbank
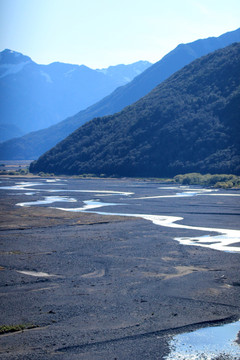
x,y
107,287
20,168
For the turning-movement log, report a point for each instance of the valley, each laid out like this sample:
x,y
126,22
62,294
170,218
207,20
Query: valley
x,y
83,262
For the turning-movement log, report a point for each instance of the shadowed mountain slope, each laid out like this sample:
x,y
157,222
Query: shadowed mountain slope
x,y
32,145
188,123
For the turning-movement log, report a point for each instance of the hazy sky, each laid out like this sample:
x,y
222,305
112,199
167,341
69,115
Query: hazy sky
x,y
99,33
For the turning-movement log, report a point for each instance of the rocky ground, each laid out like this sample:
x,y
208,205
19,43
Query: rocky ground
x,y
90,286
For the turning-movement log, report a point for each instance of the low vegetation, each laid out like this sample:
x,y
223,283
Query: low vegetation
x,y
4,329
224,181
21,172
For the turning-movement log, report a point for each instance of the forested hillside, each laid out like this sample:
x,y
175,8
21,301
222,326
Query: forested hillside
x,y
188,123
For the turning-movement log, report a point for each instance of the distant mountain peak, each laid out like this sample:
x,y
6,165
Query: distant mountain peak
x,y
127,72
11,62
8,56
140,63
35,96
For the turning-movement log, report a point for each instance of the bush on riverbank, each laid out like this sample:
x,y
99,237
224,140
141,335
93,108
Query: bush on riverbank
x,y
22,172
224,181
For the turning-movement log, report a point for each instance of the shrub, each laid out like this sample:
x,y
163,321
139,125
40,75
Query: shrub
x,y
224,181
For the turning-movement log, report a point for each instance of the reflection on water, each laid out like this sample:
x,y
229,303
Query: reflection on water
x,y
224,241
35,273
89,204
206,344
184,193
48,200
21,186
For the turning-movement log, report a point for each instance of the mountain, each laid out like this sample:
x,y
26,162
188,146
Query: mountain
x,y
8,131
125,73
188,123
9,59
35,96
31,146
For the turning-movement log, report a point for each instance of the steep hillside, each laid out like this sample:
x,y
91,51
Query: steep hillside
x,y
35,96
188,123
31,146
8,131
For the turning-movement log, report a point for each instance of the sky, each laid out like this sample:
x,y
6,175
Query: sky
x,y
100,33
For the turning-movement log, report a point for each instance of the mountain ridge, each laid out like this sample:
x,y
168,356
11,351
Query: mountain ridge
x,y
32,145
35,96
188,123
9,56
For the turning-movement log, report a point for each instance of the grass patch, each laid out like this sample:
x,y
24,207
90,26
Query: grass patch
x,y
4,329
